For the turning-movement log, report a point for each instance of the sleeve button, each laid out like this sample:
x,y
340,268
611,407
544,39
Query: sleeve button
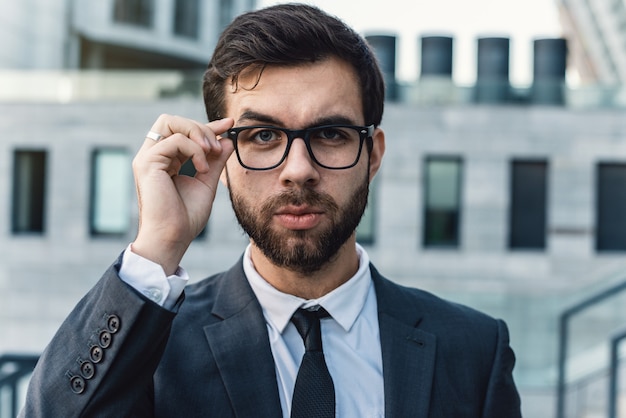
x,y
87,370
113,324
104,339
96,354
78,384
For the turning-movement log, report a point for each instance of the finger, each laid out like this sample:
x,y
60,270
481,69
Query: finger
x,y
168,125
170,154
176,131
206,135
221,125
215,157
216,163
214,129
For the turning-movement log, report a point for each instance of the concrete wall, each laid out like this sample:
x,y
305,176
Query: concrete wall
x,y
44,34
42,277
33,33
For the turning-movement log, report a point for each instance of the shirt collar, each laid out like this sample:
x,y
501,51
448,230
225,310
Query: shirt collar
x,y
343,303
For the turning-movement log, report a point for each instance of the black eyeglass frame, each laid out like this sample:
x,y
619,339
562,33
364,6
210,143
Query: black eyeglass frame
x,y
365,132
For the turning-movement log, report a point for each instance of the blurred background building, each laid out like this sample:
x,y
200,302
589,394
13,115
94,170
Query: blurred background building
x,y
507,198
596,30
113,34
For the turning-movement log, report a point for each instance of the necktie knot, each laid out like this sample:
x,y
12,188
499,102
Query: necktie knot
x,y
307,323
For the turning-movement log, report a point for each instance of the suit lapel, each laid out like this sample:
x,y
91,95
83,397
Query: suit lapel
x,y
240,345
408,352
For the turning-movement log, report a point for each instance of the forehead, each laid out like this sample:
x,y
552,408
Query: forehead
x,y
295,96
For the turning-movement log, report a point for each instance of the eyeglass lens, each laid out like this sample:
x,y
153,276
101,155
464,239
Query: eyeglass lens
x,y
331,146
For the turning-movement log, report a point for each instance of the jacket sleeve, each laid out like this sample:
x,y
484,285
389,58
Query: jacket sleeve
x,y
502,399
102,359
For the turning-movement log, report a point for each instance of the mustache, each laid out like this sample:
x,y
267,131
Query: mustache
x,y
300,197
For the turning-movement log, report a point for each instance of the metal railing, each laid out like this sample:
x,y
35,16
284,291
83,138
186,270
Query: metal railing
x,y
608,366
14,370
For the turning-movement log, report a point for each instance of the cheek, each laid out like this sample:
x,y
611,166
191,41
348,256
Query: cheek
x,y
251,185
344,185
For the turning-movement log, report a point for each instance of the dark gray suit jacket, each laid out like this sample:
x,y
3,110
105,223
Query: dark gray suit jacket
x,y
118,354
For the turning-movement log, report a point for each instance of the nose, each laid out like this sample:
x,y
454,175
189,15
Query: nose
x,y
298,168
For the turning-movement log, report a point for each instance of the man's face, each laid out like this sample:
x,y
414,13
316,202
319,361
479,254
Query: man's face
x,y
299,214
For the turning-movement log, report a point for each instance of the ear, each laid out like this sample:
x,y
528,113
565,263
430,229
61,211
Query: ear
x,y
378,150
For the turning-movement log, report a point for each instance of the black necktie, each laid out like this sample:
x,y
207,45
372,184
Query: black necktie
x,y
314,392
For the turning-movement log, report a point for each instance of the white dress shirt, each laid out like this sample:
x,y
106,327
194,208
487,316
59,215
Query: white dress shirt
x,y
350,338
148,278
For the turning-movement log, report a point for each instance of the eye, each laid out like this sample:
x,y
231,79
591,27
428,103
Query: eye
x,y
329,133
263,136
334,135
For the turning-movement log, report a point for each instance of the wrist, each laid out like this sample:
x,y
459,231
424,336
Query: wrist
x,y
167,256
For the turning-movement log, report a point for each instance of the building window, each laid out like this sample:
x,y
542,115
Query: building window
x,y
442,195
111,191
29,191
611,207
527,214
134,12
186,18
365,232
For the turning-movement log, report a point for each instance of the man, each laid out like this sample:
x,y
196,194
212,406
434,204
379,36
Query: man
x,y
295,99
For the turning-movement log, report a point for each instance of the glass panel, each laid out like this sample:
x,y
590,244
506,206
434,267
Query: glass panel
x,y
29,189
610,207
590,331
135,12
527,218
186,15
111,192
441,202
443,187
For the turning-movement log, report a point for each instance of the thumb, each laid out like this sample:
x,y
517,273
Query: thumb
x,y
217,160
221,125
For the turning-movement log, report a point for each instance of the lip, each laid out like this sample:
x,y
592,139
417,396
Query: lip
x,y
298,217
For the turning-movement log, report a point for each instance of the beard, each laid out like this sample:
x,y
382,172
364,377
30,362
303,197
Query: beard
x,y
301,251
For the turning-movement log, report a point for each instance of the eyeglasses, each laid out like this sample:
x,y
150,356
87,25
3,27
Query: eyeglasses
x,y
335,147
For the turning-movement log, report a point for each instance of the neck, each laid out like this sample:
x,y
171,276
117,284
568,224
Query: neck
x,y
313,285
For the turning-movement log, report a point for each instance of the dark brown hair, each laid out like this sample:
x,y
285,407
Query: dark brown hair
x,y
290,34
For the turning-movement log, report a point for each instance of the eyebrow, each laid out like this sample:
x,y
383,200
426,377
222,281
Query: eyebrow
x,y
253,116
250,115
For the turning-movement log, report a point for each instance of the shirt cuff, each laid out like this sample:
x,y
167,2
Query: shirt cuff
x,y
149,279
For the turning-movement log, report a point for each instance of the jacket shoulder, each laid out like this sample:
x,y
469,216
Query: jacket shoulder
x,y
397,298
